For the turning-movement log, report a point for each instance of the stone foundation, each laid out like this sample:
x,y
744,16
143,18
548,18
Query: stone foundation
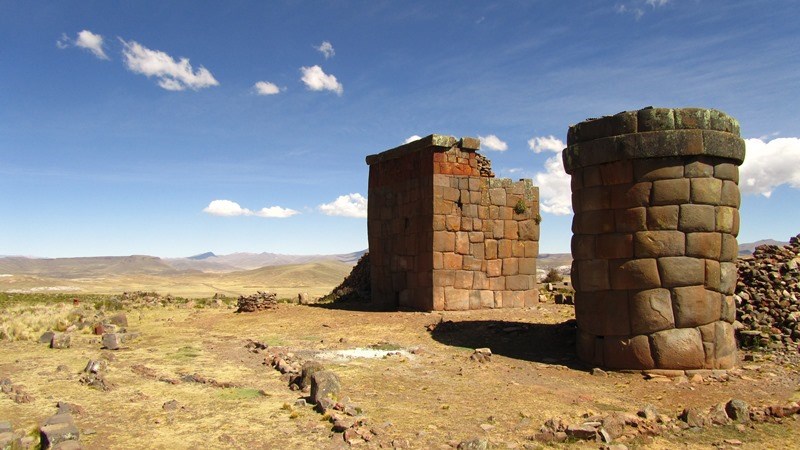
x,y
655,194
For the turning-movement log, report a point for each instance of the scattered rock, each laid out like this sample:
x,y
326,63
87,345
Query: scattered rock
x,y
56,429
112,341
598,372
482,355
61,340
324,384
474,444
170,405
47,337
119,319
309,369
649,412
694,417
738,410
70,408
304,299
584,432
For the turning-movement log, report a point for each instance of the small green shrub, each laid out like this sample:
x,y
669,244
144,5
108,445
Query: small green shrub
x,y
553,276
520,207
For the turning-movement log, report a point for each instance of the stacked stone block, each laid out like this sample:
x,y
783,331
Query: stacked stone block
x,y
444,234
655,195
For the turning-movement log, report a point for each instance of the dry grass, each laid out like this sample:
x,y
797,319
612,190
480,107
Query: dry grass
x,y
430,398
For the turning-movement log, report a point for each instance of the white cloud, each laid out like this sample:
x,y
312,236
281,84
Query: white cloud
x,y
317,80
326,48
172,75
227,208
266,88
554,183
350,205
412,139
546,144
656,3
492,142
85,40
769,165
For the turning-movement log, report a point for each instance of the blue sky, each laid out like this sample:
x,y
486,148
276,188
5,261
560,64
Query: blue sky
x,y
112,144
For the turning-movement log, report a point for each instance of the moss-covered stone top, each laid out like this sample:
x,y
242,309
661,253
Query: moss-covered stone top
x,y
653,133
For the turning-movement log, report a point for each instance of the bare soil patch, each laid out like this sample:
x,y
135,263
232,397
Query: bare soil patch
x,y
430,395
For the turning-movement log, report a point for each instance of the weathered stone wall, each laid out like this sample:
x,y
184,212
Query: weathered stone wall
x,y
656,198
444,234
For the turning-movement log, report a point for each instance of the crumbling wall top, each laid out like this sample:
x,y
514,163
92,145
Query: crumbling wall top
x,y
443,142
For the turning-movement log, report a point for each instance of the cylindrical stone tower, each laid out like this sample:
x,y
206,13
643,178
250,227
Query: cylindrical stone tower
x,y
656,197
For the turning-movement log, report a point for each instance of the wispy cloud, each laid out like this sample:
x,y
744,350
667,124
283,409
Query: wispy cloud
x,y
172,75
769,165
326,48
636,7
86,40
545,144
492,142
266,88
412,139
350,205
316,79
227,208
554,182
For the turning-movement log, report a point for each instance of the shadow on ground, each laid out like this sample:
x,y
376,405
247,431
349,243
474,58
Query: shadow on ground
x,y
538,342
353,305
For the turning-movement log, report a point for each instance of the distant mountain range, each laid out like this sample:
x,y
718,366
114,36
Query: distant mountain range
x,y
151,265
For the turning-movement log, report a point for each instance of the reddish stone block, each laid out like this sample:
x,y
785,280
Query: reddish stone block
x,y
527,266
594,198
463,279
727,171
510,266
585,347
671,192
614,246
517,249
456,299
497,284
528,230
706,190
497,229
593,275
627,353
443,278
510,229
730,194
490,248
703,245
694,306
452,222
475,237
517,282
466,224
504,248
450,194
712,275
438,262
462,243
494,267
452,261
618,172
728,277
724,346
651,169
513,299
438,223
679,348
530,297
730,248
663,217
603,313
697,218
651,244
631,220
631,196
592,176
530,249
633,274
444,241
699,168
651,311
477,250
678,271
471,263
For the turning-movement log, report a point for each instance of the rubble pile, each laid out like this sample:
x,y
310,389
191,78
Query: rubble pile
x,y
767,296
356,286
257,302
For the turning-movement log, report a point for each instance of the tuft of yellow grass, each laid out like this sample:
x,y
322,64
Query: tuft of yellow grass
x,y
28,322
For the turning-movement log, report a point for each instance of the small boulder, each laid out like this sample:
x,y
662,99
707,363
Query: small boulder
x,y
309,369
649,412
61,340
694,417
738,410
112,341
474,444
47,337
482,355
584,432
324,384
171,405
304,299
58,428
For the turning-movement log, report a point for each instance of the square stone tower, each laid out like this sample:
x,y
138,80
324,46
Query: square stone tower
x,y
444,234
